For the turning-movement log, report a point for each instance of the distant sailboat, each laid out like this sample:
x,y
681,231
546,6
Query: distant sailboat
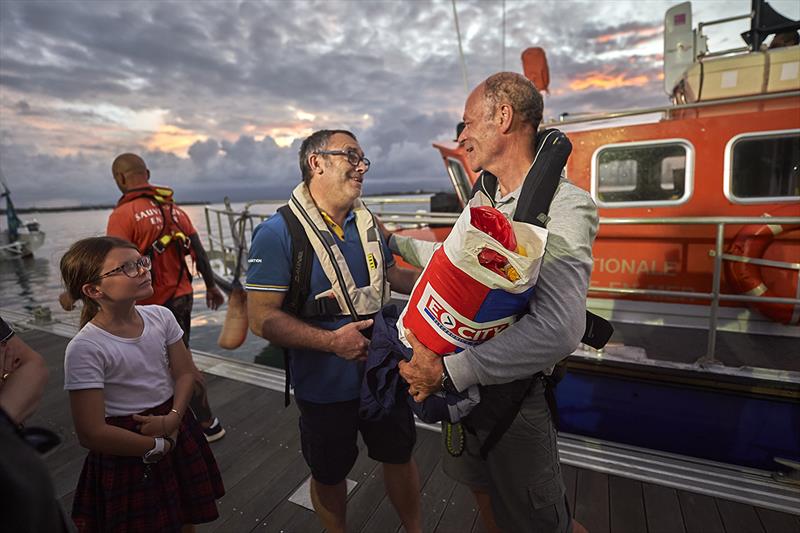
x,y
18,239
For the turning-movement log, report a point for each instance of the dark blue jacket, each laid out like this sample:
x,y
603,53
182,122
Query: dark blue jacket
x,y
383,386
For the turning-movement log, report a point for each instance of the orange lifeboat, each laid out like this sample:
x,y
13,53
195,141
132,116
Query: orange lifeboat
x,y
747,278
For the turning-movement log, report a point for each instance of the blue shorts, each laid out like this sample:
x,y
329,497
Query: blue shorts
x,y
329,434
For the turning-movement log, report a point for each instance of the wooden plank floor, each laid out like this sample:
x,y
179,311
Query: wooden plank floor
x,y
262,466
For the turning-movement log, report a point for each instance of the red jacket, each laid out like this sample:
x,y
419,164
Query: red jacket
x,y
139,217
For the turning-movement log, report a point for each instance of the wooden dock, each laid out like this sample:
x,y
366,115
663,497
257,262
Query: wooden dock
x,y
262,466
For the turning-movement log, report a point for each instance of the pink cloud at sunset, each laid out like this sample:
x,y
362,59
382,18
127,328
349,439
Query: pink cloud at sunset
x,y
608,80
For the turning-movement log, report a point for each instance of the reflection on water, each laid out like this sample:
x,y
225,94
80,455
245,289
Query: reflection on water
x,y
29,283
28,274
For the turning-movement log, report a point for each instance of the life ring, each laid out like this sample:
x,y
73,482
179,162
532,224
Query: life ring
x,y
752,241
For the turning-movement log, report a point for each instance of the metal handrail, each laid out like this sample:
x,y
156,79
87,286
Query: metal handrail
x,y
715,296
734,18
594,117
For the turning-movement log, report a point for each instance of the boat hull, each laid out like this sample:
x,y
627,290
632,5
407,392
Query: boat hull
x,y
729,418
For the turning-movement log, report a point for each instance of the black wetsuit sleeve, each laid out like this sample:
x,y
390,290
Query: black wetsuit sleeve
x,y
203,265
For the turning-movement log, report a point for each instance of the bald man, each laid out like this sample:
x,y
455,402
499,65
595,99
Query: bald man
x,y
515,473
147,216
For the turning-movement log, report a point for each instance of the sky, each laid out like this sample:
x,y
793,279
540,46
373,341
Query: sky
x,y
217,95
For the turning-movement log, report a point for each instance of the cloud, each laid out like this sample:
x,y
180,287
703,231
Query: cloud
x,y
217,95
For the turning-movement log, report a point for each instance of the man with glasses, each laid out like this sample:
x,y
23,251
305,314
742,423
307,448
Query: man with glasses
x,y
320,311
147,216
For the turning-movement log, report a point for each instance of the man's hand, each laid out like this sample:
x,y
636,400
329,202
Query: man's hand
x,y
214,298
424,372
348,342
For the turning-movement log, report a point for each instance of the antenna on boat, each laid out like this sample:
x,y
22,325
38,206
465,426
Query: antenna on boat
x,y
460,49
504,35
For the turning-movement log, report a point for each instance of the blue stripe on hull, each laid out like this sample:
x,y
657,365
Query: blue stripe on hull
x,y
720,426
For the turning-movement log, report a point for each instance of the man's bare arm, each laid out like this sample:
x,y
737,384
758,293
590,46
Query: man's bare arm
x,y
267,320
402,279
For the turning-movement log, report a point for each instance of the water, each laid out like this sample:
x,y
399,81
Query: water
x,y
26,284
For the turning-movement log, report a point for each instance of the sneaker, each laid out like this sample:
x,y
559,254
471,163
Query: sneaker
x,y
215,431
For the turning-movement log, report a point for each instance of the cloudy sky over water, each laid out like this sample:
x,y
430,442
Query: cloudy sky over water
x,y
216,95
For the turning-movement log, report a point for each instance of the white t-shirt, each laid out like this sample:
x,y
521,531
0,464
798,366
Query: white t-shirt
x,y
134,373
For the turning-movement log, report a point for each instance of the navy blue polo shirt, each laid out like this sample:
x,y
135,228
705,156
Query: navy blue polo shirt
x,y
320,377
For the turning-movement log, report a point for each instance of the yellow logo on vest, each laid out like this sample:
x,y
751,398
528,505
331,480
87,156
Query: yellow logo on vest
x,y
373,264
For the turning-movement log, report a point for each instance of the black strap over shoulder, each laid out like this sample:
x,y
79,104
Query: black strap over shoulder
x,y
539,187
299,281
538,190
302,254
295,302
541,183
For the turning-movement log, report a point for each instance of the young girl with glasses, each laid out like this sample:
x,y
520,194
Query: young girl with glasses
x,y
129,378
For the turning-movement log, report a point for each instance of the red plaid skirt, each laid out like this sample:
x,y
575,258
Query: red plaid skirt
x,y
114,494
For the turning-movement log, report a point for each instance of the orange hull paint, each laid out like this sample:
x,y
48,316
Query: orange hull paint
x,y
677,257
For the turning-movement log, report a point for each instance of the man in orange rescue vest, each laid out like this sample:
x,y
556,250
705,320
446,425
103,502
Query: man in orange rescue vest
x,y
147,216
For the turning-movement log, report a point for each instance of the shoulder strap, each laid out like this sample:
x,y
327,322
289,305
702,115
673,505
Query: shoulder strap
x,y
302,253
299,282
487,184
539,188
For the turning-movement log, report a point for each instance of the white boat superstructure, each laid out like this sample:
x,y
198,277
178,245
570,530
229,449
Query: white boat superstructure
x,y
18,238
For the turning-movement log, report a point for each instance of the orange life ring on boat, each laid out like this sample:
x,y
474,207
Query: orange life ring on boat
x,y
745,278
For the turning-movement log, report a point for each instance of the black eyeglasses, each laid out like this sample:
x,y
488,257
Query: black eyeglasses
x,y
131,269
352,156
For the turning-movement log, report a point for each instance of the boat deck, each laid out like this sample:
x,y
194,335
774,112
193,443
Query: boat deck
x,y
262,467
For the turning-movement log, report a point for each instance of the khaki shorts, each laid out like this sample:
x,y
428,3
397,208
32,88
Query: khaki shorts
x,y
521,473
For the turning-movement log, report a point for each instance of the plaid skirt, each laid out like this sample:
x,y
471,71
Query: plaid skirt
x,y
120,494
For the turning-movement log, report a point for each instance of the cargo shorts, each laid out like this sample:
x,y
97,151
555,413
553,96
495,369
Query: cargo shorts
x,y
521,473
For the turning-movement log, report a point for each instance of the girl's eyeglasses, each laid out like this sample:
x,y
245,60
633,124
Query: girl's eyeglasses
x,y
131,269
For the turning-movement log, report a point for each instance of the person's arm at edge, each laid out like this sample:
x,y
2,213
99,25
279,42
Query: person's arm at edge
x,y
402,279
416,252
556,321
24,387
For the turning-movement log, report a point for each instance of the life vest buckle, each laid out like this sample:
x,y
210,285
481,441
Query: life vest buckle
x,y
160,244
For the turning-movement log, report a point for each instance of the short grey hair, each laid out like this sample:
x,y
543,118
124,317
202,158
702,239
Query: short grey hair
x,y
314,143
517,91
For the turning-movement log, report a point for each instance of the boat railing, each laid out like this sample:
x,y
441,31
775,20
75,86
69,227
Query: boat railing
x,y
224,225
219,246
715,296
740,49
611,115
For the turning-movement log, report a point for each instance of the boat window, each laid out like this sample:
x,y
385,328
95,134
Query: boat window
x,y
648,173
458,176
765,166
